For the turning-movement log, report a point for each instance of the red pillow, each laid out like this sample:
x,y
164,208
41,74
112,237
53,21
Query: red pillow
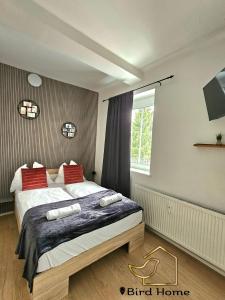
x,y
34,178
73,174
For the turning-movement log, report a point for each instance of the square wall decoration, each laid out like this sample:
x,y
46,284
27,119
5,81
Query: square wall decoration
x,y
69,130
28,109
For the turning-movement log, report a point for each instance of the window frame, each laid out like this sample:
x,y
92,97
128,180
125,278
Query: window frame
x,y
141,103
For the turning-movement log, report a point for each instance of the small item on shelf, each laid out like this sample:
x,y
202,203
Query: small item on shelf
x,y
219,139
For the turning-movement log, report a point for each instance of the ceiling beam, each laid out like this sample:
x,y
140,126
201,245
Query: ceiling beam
x,y
86,49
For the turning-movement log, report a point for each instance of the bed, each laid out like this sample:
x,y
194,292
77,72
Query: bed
x,y
57,265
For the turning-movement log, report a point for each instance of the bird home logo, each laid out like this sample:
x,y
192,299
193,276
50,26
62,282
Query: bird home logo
x,y
159,268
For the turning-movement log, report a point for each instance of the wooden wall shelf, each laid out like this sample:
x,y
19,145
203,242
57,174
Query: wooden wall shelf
x,y
210,145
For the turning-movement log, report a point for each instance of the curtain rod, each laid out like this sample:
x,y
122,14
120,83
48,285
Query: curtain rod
x,y
141,87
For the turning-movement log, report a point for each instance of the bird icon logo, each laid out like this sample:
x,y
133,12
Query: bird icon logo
x,y
146,271
136,270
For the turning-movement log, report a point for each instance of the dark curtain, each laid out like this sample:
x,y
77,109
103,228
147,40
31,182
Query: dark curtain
x,y
116,161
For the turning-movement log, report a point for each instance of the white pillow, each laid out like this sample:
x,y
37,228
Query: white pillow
x,y
16,184
60,176
37,165
53,177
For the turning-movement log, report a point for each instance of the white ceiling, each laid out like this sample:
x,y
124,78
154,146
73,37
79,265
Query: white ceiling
x,y
96,43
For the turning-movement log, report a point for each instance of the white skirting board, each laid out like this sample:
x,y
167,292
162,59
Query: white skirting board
x,y
186,251
7,213
6,207
198,230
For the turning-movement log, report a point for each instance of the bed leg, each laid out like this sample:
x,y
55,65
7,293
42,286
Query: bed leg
x,y
137,241
51,290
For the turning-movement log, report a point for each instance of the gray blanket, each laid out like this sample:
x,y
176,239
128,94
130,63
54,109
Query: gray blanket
x,y
39,235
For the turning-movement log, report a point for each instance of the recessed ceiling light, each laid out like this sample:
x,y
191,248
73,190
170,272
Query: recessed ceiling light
x,y
34,80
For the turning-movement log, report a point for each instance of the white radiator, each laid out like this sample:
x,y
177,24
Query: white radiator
x,y
197,229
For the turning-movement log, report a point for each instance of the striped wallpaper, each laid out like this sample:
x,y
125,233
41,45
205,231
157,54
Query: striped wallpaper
x,y
24,141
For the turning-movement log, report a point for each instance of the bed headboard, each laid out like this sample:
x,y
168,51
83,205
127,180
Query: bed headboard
x,y
53,171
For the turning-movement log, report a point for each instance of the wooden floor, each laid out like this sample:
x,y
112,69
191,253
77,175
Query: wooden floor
x,y
103,279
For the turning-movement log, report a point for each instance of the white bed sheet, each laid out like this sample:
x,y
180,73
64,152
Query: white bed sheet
x,y
84,188
65,251
25,200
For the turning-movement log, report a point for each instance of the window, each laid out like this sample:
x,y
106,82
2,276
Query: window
x,y
141,131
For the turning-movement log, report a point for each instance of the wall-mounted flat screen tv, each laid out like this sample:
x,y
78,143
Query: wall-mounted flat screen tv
x,y
214,93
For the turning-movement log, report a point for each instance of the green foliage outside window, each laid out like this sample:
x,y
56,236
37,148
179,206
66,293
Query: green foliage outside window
x,y
141,138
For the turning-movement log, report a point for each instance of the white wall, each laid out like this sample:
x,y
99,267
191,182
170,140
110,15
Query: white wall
x,y
178,168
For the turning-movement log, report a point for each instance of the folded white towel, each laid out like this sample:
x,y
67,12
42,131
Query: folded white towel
x,y
110,199
63,212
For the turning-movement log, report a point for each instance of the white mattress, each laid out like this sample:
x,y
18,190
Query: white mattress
x,y
65,251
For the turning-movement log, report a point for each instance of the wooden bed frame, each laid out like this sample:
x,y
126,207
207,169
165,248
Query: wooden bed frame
x,y
53,284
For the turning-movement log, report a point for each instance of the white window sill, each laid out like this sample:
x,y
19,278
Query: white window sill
x,y
140,171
